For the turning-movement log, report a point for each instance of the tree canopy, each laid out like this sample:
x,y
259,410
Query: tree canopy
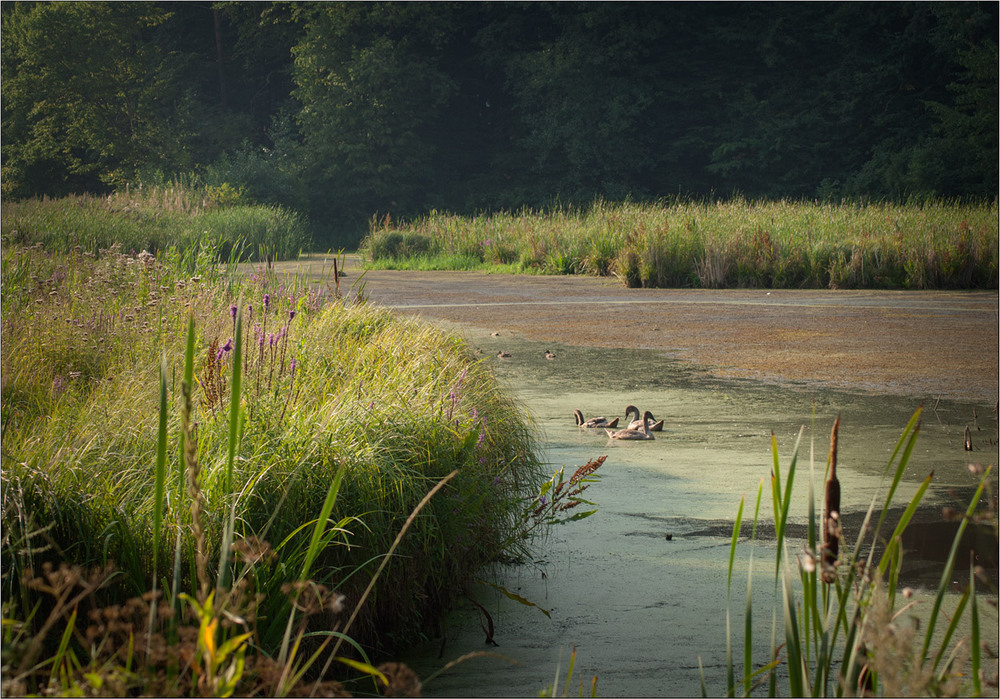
x,y
345,110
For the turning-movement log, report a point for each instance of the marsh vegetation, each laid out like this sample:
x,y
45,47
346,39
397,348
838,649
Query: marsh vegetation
x,y
274,399
712,244
219,481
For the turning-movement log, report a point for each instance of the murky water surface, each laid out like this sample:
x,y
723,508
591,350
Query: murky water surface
x,y
640,588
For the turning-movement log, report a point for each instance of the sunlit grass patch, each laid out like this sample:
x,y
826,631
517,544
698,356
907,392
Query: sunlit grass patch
x,y
155,220
326,385
734,243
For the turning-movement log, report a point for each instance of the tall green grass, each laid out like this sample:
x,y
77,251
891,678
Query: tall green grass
x,y
155,220
735,243
842,625
326,391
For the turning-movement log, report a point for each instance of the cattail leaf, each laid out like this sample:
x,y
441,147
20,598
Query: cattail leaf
x,y
187,386
516,597
320,528
945,582
976,647
160,473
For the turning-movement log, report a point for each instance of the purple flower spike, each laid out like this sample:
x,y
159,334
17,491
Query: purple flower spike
x,y
267,301
250,309
291,314
292,365
232,312
270,339
228,346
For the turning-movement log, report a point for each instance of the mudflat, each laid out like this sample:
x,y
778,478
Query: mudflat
x,y
932,344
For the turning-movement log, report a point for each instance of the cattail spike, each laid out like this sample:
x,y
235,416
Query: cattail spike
x,y
831,513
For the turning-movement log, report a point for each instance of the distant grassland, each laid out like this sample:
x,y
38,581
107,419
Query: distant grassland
x,y
737,243
155,219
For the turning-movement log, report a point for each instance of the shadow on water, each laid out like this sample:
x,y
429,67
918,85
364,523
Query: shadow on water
x,y
640,588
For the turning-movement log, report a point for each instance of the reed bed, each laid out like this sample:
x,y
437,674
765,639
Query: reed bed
x,y
842,624
156,219
733,243
308,427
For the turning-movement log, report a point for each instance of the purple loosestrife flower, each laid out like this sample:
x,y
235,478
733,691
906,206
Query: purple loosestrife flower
x,y
228,346
291,315
232,312
270,339
292,365
267,301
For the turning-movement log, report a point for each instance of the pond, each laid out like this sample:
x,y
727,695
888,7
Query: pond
x,y
639,589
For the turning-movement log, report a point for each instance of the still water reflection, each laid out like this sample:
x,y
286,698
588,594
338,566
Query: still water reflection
x,y
640,588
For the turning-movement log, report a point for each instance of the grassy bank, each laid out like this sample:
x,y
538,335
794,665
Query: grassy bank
x,y
780,244
155,219
327,386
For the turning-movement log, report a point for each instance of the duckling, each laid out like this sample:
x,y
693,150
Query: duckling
x,y
636,424
629,433
594,421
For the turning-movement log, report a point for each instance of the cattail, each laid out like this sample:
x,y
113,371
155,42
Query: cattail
x,y
831,515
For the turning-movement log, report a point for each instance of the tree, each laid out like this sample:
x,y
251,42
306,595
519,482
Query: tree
x,y
88,96
370,91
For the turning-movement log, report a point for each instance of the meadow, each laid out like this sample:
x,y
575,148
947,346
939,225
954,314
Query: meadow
x,y
156,218
219,483
201,464
712,244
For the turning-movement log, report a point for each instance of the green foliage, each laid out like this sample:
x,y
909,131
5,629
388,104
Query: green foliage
x,y
87,93
158,219
736,243
326,388
368,99
841,632
345,110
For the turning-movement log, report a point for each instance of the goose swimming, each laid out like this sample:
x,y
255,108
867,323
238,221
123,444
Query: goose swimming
x,y
594,421
629,433
636,424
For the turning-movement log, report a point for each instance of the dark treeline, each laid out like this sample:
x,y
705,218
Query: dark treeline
x,y
341,110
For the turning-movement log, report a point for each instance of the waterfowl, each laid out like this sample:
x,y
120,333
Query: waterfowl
x,y
501,354
636,424
629,433
549,355
594,421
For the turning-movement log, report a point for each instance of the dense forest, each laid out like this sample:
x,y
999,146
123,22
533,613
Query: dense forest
x,y
346,110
